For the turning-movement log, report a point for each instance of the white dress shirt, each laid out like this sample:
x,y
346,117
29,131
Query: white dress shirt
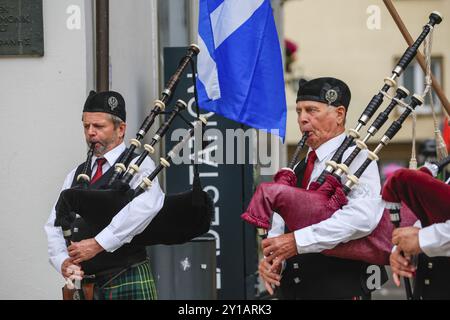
x,y
130,221
357,219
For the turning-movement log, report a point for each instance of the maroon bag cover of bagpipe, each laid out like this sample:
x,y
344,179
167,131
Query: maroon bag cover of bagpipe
x,y
426,196
301,208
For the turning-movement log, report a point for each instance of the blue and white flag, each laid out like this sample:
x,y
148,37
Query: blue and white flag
x,y
240,70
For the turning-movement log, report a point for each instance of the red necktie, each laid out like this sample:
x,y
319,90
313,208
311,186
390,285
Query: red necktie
x,y
309,168
99,171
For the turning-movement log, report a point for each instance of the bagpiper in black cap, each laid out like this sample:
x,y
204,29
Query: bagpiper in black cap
x,y
107,101
328,90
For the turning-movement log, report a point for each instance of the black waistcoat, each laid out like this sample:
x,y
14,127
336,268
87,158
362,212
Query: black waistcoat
x,y
432,278
316,276
122,257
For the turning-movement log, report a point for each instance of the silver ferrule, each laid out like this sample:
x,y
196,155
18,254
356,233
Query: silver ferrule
x,y
67,233
396,72
385,140
167,92
156,137
395,216
392,205
372,131
141,133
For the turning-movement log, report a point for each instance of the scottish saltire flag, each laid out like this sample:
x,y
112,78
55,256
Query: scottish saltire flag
x,y
240,70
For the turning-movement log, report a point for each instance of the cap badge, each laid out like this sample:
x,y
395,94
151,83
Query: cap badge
x,y
331,96
113,103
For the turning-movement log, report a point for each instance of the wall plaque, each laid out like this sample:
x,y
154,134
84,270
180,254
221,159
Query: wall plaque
x,y
21,28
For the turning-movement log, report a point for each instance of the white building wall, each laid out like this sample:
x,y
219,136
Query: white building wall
x,y
40,106
133,53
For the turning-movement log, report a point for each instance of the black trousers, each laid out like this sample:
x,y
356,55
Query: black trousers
x,y
432,279
319,277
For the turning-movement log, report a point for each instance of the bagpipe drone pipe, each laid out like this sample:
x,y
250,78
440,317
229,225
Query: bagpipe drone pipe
x,y
159,106
301,208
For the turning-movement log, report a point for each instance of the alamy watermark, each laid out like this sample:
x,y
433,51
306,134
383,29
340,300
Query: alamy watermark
x,y
373,22
73,21
373,281
234,146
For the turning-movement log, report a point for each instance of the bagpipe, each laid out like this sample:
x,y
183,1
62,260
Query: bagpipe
x,y
301,208
182,217
421,194
420,190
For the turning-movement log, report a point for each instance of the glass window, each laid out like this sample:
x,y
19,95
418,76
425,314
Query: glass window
x,y
414,80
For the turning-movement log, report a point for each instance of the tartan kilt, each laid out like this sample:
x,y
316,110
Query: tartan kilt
x,y
136,283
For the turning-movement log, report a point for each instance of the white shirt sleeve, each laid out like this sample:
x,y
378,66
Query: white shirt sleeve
x,y
434,240
56,245
357,219
136,215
